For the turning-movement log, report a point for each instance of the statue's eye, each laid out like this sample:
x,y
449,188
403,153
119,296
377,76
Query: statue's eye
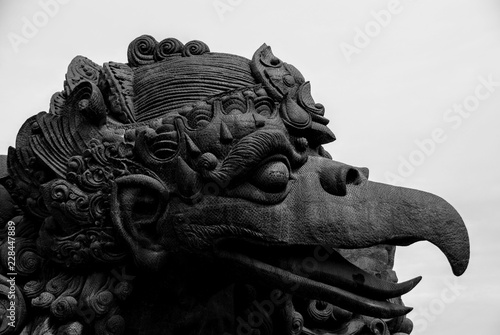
x,y
272,176
234,106
265,106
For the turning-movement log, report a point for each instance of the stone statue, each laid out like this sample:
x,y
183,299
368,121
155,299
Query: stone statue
x,y
188,192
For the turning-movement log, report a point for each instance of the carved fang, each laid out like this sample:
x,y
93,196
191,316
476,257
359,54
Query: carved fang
x,y
192,147
225,133
189,182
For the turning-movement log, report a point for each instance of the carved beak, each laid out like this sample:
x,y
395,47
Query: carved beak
x,y
334,205
343,209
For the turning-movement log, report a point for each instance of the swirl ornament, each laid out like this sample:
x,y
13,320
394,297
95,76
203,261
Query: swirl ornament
x,y
141,51
297,324
115,325
123,289
68,203
72,328
29,262
195,47
58,284
63,307
81,69
84,247
98,208
167,47
208,162
33,288
43,300
379,327
102,302
319,311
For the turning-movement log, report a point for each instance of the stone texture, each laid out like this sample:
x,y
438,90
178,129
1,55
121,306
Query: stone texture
x,y
188,192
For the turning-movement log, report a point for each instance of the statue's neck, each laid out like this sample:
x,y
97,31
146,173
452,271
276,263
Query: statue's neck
x,y
182,301
203,298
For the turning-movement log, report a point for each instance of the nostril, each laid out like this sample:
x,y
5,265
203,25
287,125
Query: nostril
x,y
333,181
353,177
335,178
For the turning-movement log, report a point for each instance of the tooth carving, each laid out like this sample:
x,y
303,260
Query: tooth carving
x,y
225,133
189,182
192,147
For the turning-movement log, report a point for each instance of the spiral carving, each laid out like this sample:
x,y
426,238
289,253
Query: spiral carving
x,y
88,100
116,325
82,69
63,307
208,161
60,192
33,288
195,48
123,289
94,244
102,302
98,206
319,310
72,328
141,50
28,262
297,324
43,300
74,286
167,47
146,50
57,284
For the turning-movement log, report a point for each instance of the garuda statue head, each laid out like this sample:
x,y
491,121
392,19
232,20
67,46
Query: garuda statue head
x,y
188,192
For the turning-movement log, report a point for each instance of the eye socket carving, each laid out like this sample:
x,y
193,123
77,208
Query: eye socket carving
x,y
265,106
234,106
199,118
271,61
272,175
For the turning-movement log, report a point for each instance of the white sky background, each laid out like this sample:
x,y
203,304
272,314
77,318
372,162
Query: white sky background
x,y
393,92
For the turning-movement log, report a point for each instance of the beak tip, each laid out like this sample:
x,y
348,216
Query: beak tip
x,y
459,269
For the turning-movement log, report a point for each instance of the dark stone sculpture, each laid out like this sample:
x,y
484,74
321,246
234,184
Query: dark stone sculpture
x,y
188,192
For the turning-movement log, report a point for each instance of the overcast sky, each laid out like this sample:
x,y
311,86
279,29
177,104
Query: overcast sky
x,y
412,89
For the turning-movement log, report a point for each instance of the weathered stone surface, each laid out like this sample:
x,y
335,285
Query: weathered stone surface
x,y
188,192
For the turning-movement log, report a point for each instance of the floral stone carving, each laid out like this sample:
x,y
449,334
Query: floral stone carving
x,y
188,192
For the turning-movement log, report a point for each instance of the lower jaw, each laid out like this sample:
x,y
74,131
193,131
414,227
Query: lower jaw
x,y
298,316
324,319
301,315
